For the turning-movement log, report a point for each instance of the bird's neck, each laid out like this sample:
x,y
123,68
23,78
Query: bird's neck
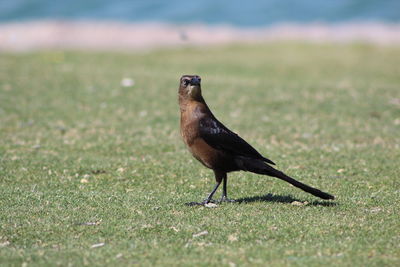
x,y
184,102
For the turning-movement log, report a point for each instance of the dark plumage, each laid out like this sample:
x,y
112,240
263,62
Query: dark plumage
x,y
217,147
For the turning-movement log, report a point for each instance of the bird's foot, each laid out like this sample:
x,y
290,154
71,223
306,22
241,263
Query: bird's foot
x,y
225,199
203,203
195,203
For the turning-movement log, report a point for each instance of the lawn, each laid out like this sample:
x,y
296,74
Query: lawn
x,y
93,171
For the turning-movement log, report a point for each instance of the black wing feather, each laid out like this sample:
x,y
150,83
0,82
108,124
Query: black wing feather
x,y
219,137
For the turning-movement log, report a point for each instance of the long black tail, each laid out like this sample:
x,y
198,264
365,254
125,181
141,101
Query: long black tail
x,y
260,167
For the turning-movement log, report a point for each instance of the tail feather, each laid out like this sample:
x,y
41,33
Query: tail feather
x,y
260,167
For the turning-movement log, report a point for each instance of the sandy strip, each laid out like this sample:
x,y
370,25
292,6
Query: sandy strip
x,y
43,35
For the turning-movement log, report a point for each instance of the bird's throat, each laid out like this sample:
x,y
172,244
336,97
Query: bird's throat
x,y
194,92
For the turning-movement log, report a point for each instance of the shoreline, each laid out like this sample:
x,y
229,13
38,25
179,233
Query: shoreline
x,y
106,36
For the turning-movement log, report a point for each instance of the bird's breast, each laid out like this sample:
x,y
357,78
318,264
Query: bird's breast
x,y
204,153
190,118
190,123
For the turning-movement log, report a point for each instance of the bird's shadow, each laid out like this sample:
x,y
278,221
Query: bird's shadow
x,y
282,199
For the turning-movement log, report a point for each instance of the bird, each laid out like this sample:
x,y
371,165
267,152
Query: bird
x,y
219,148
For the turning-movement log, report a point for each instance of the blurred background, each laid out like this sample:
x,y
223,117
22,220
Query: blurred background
x,y
30,24
251,14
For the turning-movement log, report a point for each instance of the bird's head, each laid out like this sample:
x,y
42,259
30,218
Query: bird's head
x,y
190,87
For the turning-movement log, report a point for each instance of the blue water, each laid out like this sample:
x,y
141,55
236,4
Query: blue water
x,y
234,12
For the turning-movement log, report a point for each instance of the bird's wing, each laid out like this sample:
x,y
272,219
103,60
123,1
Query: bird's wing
x,y
219,137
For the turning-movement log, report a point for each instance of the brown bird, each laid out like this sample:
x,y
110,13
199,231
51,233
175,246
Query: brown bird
x,y
217,147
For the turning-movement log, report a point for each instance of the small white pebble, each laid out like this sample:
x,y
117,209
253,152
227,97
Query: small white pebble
x,y
376,209
97,245
127,82
174,228
232,238
298,203
200,234
210,205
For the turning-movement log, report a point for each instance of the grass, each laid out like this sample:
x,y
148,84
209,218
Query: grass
x,y
94,173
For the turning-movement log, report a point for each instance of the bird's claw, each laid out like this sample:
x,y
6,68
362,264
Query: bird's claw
x,y
225,199
203,203
195,204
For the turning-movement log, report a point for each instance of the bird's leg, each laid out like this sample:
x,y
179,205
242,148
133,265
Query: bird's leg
x,y
219,176
208,199
224,197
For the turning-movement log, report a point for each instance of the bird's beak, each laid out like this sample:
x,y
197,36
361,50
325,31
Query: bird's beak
x,y
195,81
